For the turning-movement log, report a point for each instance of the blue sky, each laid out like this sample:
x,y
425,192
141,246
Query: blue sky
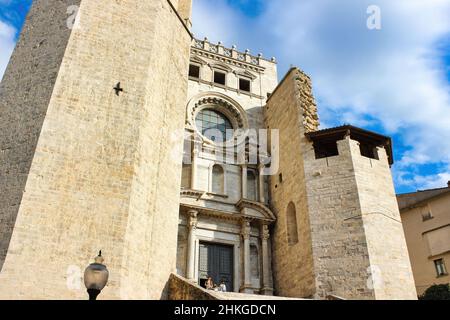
x,y
395,81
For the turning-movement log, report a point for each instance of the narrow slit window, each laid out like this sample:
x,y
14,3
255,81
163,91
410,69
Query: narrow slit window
x,y
291,224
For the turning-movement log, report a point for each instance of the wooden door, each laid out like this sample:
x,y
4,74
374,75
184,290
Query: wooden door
x,y
216,261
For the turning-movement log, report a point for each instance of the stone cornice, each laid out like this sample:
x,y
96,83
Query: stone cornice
x,y
189,193
228,55
230,215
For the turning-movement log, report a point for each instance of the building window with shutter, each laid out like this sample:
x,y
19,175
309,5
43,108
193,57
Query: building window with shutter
x,y
440,267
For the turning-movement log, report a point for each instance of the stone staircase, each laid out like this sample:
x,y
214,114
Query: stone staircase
x,y
183,289
245,296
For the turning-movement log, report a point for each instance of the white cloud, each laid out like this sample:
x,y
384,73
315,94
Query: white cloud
x,y
394,76
422,182
7,43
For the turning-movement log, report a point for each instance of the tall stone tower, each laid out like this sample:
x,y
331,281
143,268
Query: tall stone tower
x,y
84,166
338,223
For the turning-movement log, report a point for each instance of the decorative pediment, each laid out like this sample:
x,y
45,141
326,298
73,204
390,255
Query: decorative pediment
x,y
245,74
256,210
244,209
221,66
198,60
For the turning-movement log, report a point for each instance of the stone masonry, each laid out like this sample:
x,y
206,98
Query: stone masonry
x,y
102,174
25,93
84,168
344,203
289,122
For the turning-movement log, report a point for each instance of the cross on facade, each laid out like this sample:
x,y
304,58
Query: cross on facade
x,y
118,88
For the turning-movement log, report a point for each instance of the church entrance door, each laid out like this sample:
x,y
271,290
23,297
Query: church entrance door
x,y
216,261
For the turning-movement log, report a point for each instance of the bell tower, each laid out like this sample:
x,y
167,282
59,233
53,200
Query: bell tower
x,y
338,222
85,166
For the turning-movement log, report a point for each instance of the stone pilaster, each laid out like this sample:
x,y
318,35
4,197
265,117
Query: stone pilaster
x,y
195,153
245,233
267,282
192,227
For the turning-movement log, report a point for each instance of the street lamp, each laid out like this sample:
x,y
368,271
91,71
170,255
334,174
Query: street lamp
x,y
95,277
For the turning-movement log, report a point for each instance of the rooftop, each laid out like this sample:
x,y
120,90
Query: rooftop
x,y
355,133
412,199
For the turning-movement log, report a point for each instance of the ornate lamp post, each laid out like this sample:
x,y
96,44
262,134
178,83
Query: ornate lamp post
x,y
95,277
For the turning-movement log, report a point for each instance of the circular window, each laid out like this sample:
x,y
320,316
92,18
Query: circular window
x,y
214,125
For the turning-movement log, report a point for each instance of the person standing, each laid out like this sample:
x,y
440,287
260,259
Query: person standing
x,y
209,284
222,286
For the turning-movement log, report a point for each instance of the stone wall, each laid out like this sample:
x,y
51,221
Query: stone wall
x,y
344,204
103,175
25,93
181,289
391,272
352,203
284,112
341,258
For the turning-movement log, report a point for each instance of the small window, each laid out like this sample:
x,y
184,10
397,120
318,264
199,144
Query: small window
x,y
219,77
244,85
440,267
194,71
280,178
427,216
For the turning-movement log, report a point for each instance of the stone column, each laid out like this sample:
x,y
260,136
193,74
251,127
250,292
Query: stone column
x,y
262,197
245,232
244,181
267,283
192,225
195,153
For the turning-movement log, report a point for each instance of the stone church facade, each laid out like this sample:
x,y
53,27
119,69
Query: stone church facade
x,y
204,165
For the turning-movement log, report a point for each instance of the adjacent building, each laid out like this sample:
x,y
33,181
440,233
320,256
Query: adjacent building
x,y
426,221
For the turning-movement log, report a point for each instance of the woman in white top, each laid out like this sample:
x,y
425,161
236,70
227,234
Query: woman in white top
x,y
223,286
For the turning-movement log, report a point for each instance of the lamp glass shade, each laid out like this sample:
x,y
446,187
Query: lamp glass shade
x,y
96,275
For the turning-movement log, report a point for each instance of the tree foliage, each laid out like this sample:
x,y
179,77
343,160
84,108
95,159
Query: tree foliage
x,y
437,292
